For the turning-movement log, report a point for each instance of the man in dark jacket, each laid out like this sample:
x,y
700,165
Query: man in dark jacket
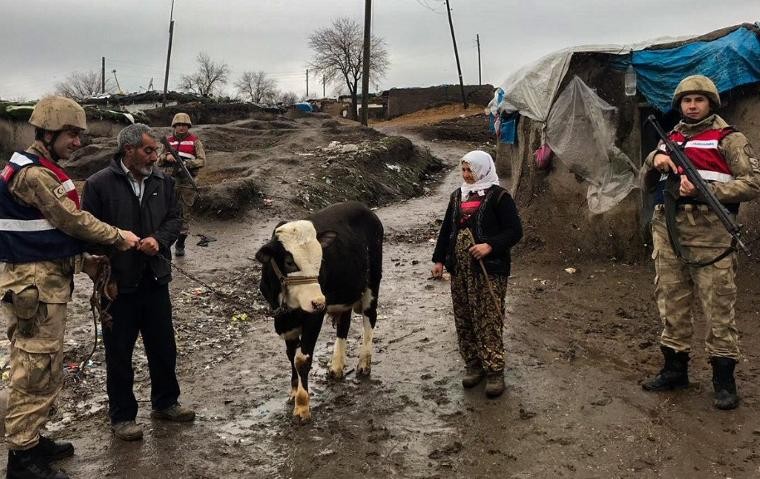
x,y
131,194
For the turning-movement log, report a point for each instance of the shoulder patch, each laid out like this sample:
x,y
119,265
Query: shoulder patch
x,y
59,191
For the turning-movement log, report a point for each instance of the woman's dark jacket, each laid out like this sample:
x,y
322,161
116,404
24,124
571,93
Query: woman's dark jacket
x,y
496,223
109,196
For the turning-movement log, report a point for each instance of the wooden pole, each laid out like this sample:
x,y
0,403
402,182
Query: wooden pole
x,y
456,56
102,74
480,78
168,55
366,61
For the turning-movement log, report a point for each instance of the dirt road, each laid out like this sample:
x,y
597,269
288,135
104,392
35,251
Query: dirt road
x,y
577,344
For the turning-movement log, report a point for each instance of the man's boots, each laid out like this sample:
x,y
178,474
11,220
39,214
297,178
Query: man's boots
x,y
30,464
179,246
494,384
473,375
674,375
54,450
724,383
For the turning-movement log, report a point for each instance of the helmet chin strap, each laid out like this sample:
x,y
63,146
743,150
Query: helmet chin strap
x,y
46,147
49,145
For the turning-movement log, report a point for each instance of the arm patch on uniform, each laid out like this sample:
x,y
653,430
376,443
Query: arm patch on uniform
x,y
59,192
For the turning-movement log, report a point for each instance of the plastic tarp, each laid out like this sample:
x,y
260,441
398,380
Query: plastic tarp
x,y
581,132
304,106
531,89
729,61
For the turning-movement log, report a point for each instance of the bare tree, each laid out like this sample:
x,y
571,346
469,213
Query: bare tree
x,y
287,98
209,78
338,56
256,87
80,85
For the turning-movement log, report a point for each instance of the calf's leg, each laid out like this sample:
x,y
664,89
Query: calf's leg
x,y
302,362
365,354
291,346
338,363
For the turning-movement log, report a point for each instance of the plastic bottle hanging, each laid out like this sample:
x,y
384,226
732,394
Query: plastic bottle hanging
x,y
630,81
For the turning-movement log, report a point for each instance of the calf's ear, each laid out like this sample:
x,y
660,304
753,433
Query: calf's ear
x,y
274,231
326,238
265,253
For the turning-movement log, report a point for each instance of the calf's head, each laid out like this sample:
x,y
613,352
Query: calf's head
x,y
291,263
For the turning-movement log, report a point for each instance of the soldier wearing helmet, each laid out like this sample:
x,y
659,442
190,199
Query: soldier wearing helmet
x,y
191,150
42,238
726,161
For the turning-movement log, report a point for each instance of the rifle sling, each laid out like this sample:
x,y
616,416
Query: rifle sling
x,y
670,197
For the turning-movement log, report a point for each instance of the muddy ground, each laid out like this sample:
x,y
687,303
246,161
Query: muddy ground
x,y
578,344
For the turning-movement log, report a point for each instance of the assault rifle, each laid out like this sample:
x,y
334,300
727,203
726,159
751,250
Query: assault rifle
x,y
683,163
179,161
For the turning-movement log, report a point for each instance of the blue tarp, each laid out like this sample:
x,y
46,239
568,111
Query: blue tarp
x,y
508,128
304,106
730,61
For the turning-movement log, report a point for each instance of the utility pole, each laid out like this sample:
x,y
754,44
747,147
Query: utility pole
x,y
307,83
118,87
456,55
168,55
477,39
102,74
324,85
365,60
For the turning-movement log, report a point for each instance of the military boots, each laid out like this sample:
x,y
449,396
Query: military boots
x,y
179,247
494,384
31,464
54,450
674,375
473,375
724,384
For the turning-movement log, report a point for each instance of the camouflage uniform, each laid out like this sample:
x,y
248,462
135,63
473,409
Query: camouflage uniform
x,y
186,194
37,317
478,322
703,237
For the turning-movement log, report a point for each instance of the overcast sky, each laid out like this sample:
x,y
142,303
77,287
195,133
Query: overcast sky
x,y
42,41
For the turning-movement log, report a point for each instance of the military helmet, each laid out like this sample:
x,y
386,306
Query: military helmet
x,y
182,118
55,113
696,84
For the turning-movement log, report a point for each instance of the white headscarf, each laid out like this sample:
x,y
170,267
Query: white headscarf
x,y
484,170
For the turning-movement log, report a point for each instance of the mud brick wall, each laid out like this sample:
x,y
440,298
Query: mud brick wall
x,y
407,100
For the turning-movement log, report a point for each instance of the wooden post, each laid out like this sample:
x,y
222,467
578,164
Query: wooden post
x,y
168,55
366,61
456,55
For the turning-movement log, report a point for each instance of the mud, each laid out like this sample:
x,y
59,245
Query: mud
x,y
578,344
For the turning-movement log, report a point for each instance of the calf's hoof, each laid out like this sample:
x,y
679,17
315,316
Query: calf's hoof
x,y
364,367
335,374
301,414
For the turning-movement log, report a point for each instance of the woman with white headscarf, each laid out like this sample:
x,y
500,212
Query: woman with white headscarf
x,y
480,227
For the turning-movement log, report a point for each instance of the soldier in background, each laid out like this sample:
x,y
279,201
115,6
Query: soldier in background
x,y
725,160
191,150
42,238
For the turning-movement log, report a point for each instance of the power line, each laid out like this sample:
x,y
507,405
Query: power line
x,y
424,4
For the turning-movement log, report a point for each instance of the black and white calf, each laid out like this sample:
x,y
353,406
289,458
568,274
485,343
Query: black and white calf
x,y
329,263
